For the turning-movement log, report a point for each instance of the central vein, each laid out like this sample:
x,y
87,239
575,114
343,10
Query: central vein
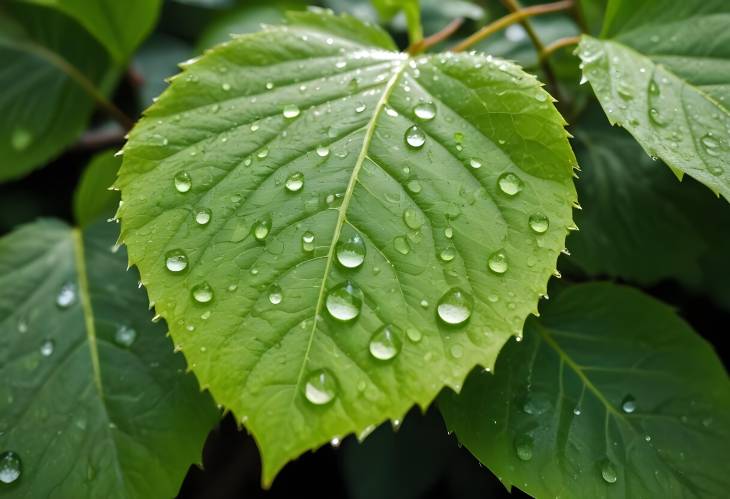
x,y
342,210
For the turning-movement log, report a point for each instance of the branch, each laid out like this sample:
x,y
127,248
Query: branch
x,y
432,40
549,49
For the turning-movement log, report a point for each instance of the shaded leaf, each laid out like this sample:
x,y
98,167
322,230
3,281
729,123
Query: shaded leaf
x,y
610,395
93,400
158,60
271,149
92,198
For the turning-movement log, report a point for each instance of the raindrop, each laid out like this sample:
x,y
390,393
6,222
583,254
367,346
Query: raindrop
x,y
401,245
176,261
351,251
711,145
183,182
608,471
47,348
510,184
344,301
275,294
447,254
294,182
455,306
202,293
456,351
414,335
124,336
425,111
321,387
323,151
290,111
475,163
66,295
449,232
263,152
10,467
261,229
523,447
360,108
498,262
202,217
539,223
386,342
415,137
414,186
628,405
308,241
412,218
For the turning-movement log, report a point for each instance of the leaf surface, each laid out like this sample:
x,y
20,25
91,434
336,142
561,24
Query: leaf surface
x,y
610,395
274,148
662,71
93,402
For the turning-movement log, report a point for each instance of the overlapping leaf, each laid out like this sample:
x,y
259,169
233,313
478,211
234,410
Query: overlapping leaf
x,y
662,71
261,158
93,401
610,395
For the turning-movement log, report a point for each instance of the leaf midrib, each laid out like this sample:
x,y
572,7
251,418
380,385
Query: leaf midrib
x,y
342,211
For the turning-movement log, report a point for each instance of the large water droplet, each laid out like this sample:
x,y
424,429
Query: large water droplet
x,y
202,293
125,336
455,306
47,348
386,342
628,405
261,229
351,251
66,295
498,262
321,387
539,223
183,182
323,151
447,254
275,294
415,137
510,184
401,245
523,447
425,111
344,301
608,471
176,260
308,241
475,163
412,218
202,217
711,145
10,467
295,182
290,111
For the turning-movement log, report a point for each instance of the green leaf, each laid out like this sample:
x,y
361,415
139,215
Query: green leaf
x,y
610,395
668,82
273,147
44,106
93,400
119,26
411,10
93,198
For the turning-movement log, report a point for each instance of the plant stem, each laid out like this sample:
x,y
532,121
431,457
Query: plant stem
x,y
432,40
413,21
548,50
507,20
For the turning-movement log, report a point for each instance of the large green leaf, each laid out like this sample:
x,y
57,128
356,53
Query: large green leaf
x,y
93,401
44,107
662,71
119,25
610,395
245,174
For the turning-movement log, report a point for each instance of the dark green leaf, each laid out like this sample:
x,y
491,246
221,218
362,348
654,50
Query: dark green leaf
x,y
157,61
92,198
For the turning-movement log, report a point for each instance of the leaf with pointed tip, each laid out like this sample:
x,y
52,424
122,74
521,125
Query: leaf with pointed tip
x,y
610,395
262,156
93,400
668,82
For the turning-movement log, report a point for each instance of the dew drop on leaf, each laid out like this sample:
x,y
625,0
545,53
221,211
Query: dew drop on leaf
x,y
628,404
455,306
320,387
425,111
711,145
539,223
203,215
412,218
176,261
414,335
351,251
385,344
21,139
66,295
202,293
308,241
47,348
125,336
261,229
475,163
401,245
457,351
414,186
360,108
183,182
523,447
497,262
447,254
449,232
415,137
294,182
323,151
608,471
275,294
10,467
291,111
344,301
510,184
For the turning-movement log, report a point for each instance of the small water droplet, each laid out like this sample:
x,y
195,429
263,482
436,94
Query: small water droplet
x,y
401,245
455,306
449,232
202,293
176,261
628,405
263,153
711,145
414,186
523,447
10,467
498,262
475,163
425,111
412,218
447,254
47,348
321,387
294,182
226,87
360,108
510,184
183,182
457,351
415,137
344,301
308,241
351,251
608,471
275,294
323,151
414,335
124,336
291,111
66,295
261,229
203,215
386,342
539,223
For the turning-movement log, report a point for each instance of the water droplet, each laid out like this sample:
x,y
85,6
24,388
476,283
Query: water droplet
x,y
412,218
711,145
47,348
628,405
323,151
344,301
449,232
124,336
295,182
226,87
414,335
498,262
202,293
510,184
202,217
261,229
183,182
10,467
523,447
539,223
608,471
351,251
308,241
360,108
401,245
455,306
386,342
456,351
447,254
275,294
263,153
290,111
425,111
176,260
321,387
414,186
475,163
415,137
66,295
